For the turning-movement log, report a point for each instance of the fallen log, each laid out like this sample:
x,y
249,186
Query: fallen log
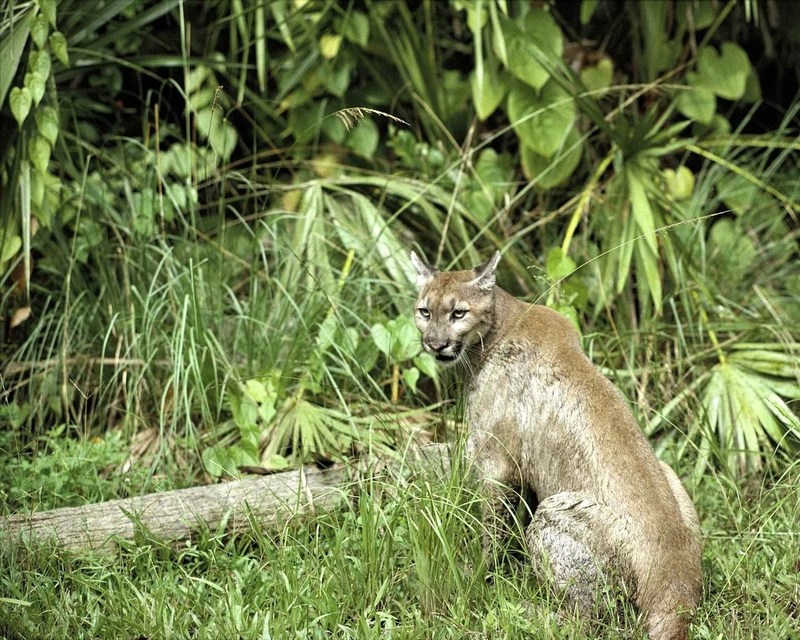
x,y
171,516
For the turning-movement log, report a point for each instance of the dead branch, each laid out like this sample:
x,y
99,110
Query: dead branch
x,y
177,515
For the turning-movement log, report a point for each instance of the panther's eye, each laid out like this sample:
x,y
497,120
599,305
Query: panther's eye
x,y
458,314
425,313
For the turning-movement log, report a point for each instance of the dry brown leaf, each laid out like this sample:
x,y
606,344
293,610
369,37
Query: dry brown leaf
x,y
19,316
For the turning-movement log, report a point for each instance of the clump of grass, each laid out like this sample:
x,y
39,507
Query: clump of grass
x,y
60,470
752,554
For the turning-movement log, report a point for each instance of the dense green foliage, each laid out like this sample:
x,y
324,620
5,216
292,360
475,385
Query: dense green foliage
x,y
205,216
207,211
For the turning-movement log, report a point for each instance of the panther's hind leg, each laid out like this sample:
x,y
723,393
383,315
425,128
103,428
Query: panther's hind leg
x,y
570,543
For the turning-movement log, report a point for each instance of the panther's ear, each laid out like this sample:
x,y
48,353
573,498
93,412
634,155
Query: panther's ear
x,y
485,273
425,273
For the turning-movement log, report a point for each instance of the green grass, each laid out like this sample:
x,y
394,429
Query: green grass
x,y
402,561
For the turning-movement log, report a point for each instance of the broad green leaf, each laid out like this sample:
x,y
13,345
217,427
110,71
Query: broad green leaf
x,y
11,245
199,101
350,339
223,137
250,436
221,460
329,45
493,175
12,46
143,208
680,183
398,338
58,45
724,72
733,252
488,88
179,158
569,312
576,293
411,376
214,461
336,130
304,121
495,171
535,36
37,189
364,138
47,123
20,100
356,28
40,29
39,62
720,125
46,208
647,265
480,205
587,10
598,76
326,334
642,211
382,338
477,16
542,119
194,81
275,462
648,272
425,363
39,153
696,102
244,411
260,391
752,91
48,8
36,83
177,195
548,173
704,14
624,250
558,264
335,76
280,18
739,194
405,339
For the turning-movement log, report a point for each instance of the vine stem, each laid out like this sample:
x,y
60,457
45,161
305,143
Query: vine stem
x,y
583,202
395,383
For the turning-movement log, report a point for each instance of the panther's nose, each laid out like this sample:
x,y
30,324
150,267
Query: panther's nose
x,y
438,345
